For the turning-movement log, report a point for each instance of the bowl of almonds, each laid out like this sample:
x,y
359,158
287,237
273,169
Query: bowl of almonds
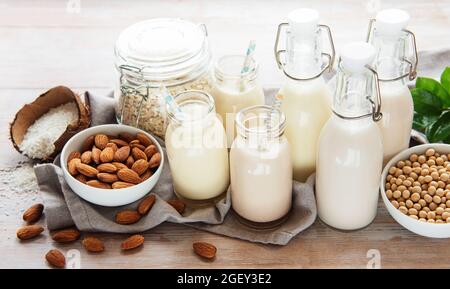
x,y
415,188
112,165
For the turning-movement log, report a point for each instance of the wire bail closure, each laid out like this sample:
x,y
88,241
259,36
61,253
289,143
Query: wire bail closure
x,y
412,74
279,52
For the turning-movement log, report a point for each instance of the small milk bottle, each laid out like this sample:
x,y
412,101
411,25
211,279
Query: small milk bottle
x,y
350,151
196,148
305,95
233,90
395,67
261,167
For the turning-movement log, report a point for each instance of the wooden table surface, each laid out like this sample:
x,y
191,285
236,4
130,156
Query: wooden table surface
x,y
44,44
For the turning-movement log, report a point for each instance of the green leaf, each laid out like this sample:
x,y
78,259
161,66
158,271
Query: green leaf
x,y
445,79
422,122
425,102
440,130
435,88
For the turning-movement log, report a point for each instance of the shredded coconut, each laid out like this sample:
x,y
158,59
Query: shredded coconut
x,y
40,136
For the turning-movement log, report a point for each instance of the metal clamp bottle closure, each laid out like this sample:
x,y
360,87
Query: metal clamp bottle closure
x,y
128,90
376,106
412,74
330,58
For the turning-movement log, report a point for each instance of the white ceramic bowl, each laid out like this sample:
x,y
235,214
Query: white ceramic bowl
x,y
418,227
105,197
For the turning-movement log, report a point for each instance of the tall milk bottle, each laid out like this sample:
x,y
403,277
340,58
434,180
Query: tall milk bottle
x,y
305,95
395,66
350,151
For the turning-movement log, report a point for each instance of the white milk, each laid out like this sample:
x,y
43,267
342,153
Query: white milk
x,y
306,106
349,166
261,177
398,112
197,153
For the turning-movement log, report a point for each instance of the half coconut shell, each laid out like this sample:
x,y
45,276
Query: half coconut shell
x,y
54,97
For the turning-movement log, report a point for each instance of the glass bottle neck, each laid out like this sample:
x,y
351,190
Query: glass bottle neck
x,y
304,54
191,108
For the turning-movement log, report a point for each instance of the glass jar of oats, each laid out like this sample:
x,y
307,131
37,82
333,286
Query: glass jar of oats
x,y
162,51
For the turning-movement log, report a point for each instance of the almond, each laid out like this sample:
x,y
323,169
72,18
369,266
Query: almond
x,y
135,141
137,145
129,162
144,139
177,205
140,166
132,242
81,178
107,168
33,213
107,178
129,176
66,235
88,144
97,184
107,155
204,250
29,231
145,176
96,155
146,204
150,151
56,258
72,166
127,217
119,166
113,146
101,140
86,157
121,185
126,137
92,244
155,161
73,155
138,154
122,154
87,170
119,142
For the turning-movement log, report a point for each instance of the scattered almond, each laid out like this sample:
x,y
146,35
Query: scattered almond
x,y
140,166
86,157
144,139
29,231
33,213
132,242
66,235
107,155
127,217
138,154
56,258
98,184
205,250
92,244
146,205
122,154
129,176
107,178
121,185
107,168
155,161
88,143
72,166
73,155
101,140
177,205
96,155
87,170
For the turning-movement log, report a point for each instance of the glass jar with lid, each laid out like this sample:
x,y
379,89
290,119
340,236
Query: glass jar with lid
x,y
162,51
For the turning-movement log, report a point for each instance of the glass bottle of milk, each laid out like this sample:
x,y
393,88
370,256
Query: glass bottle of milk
x,y
350,151
196,148
394,66
305,96
261,167
233,90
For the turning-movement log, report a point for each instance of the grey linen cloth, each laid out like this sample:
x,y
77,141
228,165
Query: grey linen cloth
x,y
63,208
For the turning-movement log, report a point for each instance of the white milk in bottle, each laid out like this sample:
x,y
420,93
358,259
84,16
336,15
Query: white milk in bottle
x,y
233,90
261,167
196,148
350,152
305,95
392,44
